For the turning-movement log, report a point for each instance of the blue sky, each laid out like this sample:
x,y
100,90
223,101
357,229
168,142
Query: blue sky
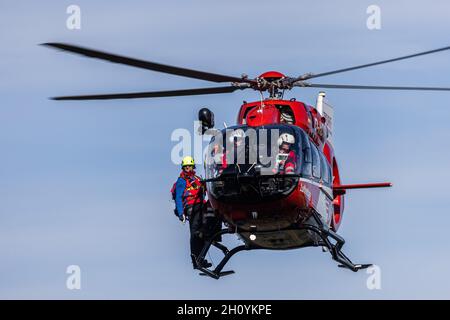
x,y
87,183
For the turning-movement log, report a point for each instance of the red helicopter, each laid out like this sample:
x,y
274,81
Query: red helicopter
x,y
294,200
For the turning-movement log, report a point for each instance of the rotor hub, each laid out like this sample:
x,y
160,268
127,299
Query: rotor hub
x,y
272,76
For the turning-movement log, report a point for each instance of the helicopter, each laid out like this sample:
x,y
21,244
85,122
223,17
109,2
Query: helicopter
x,y
278,195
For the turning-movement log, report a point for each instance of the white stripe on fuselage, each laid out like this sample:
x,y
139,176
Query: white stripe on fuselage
x,y
323,205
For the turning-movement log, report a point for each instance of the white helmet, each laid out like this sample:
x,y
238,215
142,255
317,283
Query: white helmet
x,y
238,133
286,138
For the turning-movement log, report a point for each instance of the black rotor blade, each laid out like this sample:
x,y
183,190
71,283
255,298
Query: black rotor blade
x,y
152,94
350,86
214,77
310,76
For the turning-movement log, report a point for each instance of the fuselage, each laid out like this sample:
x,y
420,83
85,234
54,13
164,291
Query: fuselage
x,y
253,196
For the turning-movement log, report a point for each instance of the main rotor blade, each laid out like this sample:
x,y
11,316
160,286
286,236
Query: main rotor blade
x,y
152,94
214,77
350,86
310,76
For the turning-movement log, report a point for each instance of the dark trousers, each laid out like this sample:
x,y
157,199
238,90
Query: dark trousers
x,y
195,216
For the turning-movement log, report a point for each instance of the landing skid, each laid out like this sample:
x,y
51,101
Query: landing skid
x,y
326,235
217,272
335,249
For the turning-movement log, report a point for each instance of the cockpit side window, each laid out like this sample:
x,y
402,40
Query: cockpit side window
x,y
326,171
316,166
306,162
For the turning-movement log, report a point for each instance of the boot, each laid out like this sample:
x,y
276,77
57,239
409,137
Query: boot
x,y
203,264
206,264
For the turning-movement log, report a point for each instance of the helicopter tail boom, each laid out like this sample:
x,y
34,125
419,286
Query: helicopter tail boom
x,y
362,186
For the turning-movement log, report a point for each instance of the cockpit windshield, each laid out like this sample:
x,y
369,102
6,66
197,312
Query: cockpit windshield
x,y
247,163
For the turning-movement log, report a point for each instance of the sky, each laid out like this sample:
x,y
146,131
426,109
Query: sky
x,y
87,183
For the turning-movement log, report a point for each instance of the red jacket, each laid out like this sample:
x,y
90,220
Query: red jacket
x,y
287,166
189,191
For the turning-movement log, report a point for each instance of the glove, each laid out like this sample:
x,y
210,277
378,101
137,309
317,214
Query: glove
x,y
182,218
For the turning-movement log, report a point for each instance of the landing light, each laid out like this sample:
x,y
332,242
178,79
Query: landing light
x,y
252,237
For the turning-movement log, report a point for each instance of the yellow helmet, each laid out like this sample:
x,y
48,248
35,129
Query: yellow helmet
x,y
187,161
